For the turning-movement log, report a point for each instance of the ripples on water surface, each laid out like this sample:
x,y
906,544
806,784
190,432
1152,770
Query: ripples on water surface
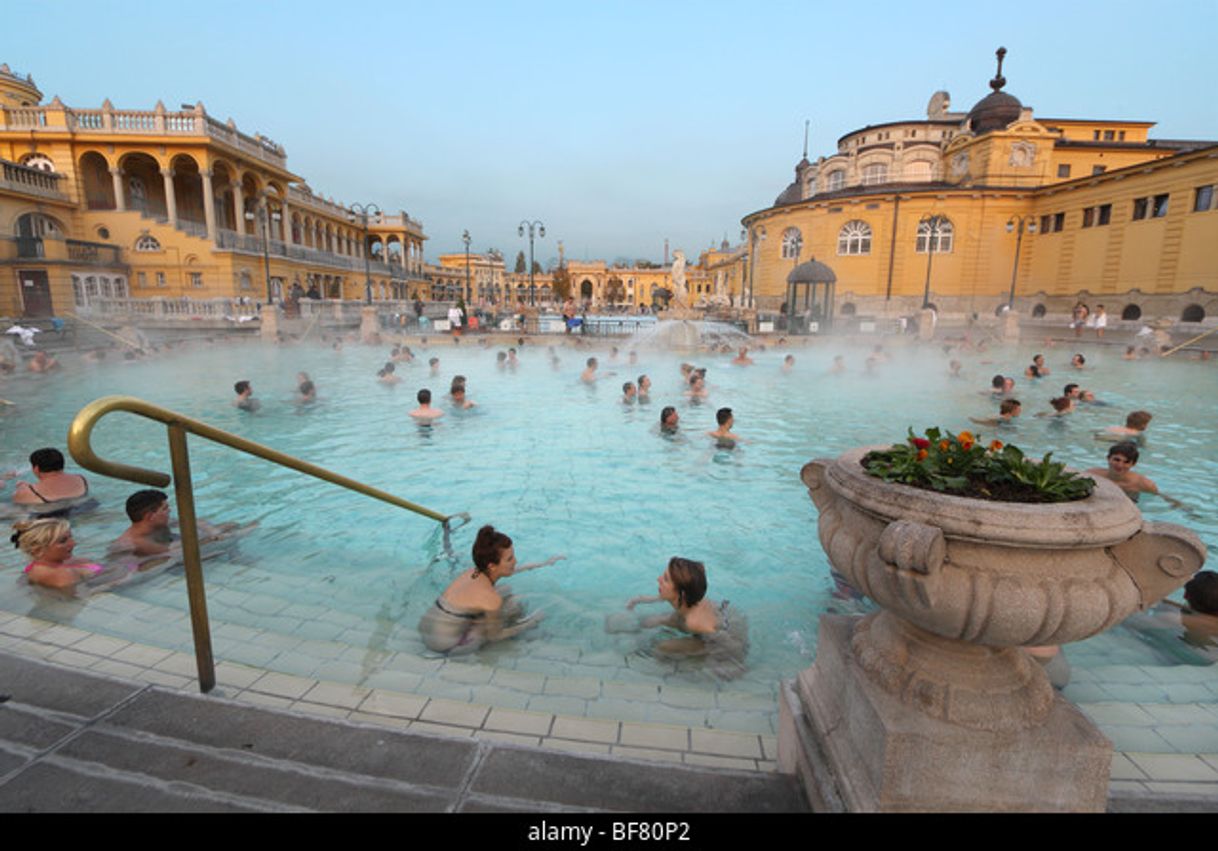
x,y
564,468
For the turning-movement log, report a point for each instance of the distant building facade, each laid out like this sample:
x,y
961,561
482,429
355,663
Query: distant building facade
x,y
149,203
1096,209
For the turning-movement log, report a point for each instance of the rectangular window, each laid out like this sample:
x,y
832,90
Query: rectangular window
x,y
1098,169
1159,208
160,279
1045,223
1203,199
1121,135
1097,135
1105,215
1139,208
141,279
1109,136
1059,221
1088,217
196,280
1063,171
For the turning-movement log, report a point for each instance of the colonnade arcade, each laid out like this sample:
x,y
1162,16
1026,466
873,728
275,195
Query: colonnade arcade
x,y
226,198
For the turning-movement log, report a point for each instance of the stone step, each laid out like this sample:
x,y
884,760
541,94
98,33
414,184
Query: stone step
x,y
71,741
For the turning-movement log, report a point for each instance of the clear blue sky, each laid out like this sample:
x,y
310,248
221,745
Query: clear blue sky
x,y
618,124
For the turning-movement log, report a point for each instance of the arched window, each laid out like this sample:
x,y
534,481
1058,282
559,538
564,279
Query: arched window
x,y
792,243
38,226
1038,311
147,243
848,309
835,180
937,239
854,238
874,174
1131,313
1193,313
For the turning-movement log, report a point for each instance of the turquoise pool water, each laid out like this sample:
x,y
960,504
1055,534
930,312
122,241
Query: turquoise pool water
x,y
562,468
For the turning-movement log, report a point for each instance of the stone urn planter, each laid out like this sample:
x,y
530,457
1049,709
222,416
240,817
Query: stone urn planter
x,y
930,703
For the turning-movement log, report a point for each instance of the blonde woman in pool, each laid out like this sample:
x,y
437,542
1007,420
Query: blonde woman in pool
x,y
49,543
472,611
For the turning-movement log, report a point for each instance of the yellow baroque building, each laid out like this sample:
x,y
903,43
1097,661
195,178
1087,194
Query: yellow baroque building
x,y
109,203
972,211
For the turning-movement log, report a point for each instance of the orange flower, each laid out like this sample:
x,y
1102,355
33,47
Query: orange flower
x,y
966,437
922,453
943,445
995,445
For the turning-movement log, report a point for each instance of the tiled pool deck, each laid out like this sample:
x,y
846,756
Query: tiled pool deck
x,y
637,739
1163,722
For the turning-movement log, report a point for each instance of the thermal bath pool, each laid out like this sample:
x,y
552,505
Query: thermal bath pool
x,y
331,585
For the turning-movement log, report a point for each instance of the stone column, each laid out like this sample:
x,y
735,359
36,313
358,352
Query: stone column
x,y
238,209
120,200
286,220
171,200
209,205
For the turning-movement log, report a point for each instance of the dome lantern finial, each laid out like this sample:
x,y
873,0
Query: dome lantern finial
x,y
999,81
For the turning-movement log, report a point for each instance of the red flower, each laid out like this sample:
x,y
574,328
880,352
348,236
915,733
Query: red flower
x,y
921,443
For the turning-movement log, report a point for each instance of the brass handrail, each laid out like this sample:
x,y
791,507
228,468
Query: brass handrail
x,y
179,425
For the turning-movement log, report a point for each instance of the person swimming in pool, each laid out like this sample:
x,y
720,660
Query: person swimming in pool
x,y
425,412
1187,632
669,420
245,400
1038,368
644,389
150,533
723,435
57,493
1134,429
1008,410
715,630
49,542
472,611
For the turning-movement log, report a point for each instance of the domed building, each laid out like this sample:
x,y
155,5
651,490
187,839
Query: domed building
x,y
968,211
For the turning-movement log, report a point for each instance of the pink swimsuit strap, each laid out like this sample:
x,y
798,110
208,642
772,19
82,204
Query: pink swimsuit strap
x,y
93,568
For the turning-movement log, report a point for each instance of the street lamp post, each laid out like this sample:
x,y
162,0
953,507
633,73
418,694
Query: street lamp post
x,y
466,239
933,223
266,242
363,211
540,230
1018,224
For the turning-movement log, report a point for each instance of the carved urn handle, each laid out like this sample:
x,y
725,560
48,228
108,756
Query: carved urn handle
x,y
1159,559
911,555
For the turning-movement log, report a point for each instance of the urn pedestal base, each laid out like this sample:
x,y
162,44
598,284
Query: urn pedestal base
x,y
858,748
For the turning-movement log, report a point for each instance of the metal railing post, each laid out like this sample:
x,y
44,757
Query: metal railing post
x,y
191,559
